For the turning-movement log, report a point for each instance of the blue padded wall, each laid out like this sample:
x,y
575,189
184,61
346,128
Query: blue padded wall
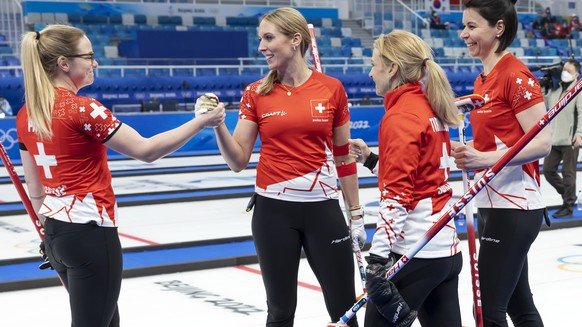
x,y
208,45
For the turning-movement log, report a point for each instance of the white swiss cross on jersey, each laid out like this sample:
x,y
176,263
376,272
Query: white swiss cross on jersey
x,y
98,111
44,160
319,107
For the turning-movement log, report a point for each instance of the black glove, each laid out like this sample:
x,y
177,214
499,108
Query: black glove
x,y
46,263
384,294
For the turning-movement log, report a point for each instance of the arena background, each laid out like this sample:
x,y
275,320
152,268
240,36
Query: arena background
x,y
156,57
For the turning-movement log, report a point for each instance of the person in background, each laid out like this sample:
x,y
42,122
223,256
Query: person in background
x,y
574,24
435,22
366,101
548,17
560,30
63,139
5,108
547,31
151,105
510,208
413,139
566,140
302,118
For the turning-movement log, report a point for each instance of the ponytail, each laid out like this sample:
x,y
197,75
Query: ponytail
x,y
439,94
268,83
39,92
415,61
40,54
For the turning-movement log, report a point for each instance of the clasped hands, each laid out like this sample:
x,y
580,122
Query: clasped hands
x,y
209,107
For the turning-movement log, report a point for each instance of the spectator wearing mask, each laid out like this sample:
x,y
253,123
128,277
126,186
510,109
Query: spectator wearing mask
x,y
566,140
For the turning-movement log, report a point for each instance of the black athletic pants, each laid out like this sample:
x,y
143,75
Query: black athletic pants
x,y
505,238
429,286
565,185
280,230
89,262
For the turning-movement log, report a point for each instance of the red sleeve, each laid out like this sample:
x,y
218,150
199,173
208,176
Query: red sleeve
x,y
247,104
342,114
94,119
522,90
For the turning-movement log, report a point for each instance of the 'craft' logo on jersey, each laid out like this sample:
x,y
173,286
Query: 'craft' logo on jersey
x,y
274,113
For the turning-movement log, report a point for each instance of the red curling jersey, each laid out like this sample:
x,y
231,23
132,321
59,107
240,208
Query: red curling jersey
x,y
413,170
73,166
295,162
508,89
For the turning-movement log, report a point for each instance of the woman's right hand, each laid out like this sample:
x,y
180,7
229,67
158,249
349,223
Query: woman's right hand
x,y
467,157
215,117
359,150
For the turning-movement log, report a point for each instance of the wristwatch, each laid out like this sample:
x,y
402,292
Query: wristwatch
x,y
357,210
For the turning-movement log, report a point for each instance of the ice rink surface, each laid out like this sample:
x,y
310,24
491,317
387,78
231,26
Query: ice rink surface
x,y
234,296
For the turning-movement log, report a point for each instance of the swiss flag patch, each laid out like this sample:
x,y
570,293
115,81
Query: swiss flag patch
x,y
319,108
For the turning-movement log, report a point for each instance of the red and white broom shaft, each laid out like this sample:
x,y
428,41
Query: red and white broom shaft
x,y
476,286
317,64
314,49
21,192
476,188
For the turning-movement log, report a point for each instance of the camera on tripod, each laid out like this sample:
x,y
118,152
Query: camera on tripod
x,y
551,78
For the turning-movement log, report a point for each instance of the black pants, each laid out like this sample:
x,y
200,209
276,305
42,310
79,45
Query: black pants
x,y
280,229
505,238
565,184
429,286
88,260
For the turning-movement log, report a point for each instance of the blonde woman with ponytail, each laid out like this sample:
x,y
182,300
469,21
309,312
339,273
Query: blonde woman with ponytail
x,y
302,117
413,169
63,140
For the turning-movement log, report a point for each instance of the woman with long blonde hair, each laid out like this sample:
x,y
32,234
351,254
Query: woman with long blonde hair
x,y
63,142
302,118
413,170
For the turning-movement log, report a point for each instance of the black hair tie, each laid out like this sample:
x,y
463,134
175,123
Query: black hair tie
x,y
424,61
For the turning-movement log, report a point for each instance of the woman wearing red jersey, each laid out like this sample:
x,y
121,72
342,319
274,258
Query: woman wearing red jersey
x,y
302,117
63,140
413,169
510,208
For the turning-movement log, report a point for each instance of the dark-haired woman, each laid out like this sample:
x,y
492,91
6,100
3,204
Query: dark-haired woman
x,y
511,207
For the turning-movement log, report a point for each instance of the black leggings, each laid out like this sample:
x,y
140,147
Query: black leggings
x,y
429,286
88,260
280,229
505,238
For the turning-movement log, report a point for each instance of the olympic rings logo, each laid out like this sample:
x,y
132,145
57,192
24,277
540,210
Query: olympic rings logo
x,y
8,138
571,263
30,246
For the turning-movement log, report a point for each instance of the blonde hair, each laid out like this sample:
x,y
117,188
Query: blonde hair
x,y
40,52
414,59
289,22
